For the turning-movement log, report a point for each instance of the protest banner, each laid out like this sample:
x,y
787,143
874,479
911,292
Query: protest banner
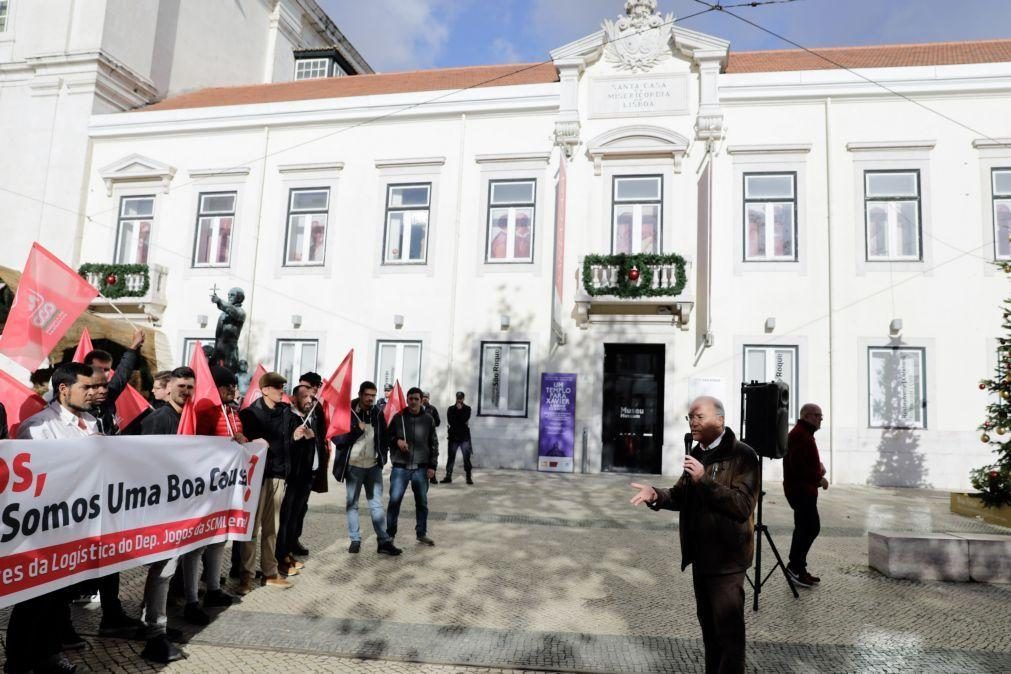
x,y
76,509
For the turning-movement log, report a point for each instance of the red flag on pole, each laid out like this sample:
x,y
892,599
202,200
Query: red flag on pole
x,y
205,394
129,405
19,401
84,347
253,393
395,403
338,397
49,299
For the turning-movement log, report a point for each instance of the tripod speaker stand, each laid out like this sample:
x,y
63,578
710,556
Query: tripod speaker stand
x,y
764,413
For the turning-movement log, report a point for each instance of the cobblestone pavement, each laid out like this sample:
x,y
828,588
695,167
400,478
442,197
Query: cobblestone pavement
x,y
558,573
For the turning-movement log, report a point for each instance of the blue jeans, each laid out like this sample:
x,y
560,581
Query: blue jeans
x,y
372,478
399,478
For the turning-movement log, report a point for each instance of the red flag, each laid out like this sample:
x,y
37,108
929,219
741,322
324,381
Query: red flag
x,y
395,403
338,397
49,299
19,401
253,393
129,405
84,347
205,394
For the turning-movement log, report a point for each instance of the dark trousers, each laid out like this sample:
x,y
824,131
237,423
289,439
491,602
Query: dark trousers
x,y
303,511
464,446
719,602
296,495
33,631
806,526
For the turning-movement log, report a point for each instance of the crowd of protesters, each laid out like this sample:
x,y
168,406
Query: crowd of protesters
x,y
83,403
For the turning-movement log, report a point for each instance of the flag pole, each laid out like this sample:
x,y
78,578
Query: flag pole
x,y
227,422
117,310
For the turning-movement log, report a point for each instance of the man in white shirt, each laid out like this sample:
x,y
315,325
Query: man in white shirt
x,y
40,628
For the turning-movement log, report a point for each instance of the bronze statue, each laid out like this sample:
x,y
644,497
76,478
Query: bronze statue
x,y
226,337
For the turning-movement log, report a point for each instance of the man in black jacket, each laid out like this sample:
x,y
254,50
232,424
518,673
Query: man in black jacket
x,y
117,380
716,496
361,455
304,440
414,452
429,408
265,419
458,418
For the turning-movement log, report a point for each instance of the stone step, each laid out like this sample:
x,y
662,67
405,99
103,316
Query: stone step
x,y
984,558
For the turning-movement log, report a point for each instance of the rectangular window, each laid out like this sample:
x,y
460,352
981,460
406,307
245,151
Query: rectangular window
x,y
215,225
773,363
892,215
1001,181
190,345
305,244
636,209
295,357
5,10
897,386
505,378
133,231
407,212
511,220
770,217
311,69
398,361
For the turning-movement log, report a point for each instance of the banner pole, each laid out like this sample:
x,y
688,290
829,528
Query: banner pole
x,y
117,310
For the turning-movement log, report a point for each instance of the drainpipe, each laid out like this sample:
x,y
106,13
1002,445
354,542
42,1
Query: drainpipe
x,y
251,292
456,251
830,408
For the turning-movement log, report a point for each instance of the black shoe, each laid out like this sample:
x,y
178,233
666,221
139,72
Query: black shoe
x,y
195,615
355,547
159,649
388,548
57,664
300,549
235,572
799,578
72,641
434,481
425,540
469,479
446,480
171,632
218,599
117,623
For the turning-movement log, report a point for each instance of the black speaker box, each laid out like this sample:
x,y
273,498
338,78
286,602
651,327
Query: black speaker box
x,y
766,411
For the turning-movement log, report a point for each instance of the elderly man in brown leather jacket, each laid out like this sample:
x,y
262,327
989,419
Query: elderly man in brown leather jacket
x,y
716,496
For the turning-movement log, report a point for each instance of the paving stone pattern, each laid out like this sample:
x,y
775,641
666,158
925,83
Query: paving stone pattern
x,y
559,573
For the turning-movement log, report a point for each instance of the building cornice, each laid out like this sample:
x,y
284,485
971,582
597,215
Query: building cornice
x,y
890,145
410,161
513,157
322,167
778,148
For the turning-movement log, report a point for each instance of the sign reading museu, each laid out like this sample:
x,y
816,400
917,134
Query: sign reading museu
x,y
639,95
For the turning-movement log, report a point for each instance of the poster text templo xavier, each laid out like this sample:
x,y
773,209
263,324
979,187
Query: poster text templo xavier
x,y
77,509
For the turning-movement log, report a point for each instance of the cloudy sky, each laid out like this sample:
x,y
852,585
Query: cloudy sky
x,y
413,34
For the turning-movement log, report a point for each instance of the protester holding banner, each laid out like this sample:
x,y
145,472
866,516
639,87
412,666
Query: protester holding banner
x,y
304,440
361,455
164,421
265,419
414,452
319,482
118,379
38,628
159,388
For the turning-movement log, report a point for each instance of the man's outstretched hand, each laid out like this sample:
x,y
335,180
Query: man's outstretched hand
x,y
646,494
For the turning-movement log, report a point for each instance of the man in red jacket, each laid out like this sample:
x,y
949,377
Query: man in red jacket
x,y
803,474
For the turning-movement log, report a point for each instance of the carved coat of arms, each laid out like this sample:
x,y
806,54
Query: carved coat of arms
x,y
639,40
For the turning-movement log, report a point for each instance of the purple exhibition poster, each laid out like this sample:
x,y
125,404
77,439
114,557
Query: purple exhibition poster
x,y
557,439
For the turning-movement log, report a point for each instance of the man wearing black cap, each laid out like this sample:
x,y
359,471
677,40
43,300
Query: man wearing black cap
x,y
265,419
458,417
387,392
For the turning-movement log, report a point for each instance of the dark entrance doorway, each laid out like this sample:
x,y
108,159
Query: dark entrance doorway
x,y
633,407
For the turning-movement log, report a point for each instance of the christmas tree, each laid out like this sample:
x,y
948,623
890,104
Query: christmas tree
x,y
993,482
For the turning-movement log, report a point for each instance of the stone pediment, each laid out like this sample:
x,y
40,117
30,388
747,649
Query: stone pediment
x,y
637,141
688,43
136,168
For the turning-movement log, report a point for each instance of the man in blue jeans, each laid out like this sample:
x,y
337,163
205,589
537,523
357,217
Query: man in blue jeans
x,y
414,452
361,455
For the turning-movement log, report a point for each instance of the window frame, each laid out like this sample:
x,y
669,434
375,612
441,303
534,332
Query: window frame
x,y
994,198
121,219
5,15
278,342
794,385
189,342
387,210
398,372
214,216
919,216
922,351
658,247
328,65
532,205
285,262
480,380
768,200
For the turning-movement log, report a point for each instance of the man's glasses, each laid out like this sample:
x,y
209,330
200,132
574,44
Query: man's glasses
x,y
695,417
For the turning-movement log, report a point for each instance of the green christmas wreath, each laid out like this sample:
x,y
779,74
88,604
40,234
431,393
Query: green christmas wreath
x,y
117,273
625,287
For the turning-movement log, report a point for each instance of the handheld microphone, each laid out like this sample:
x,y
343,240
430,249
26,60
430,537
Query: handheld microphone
x,y
689,441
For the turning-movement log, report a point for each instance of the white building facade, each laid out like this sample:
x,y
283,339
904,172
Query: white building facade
x,y
805,224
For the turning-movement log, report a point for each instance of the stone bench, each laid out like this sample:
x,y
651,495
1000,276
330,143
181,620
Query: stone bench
x,y
985,558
